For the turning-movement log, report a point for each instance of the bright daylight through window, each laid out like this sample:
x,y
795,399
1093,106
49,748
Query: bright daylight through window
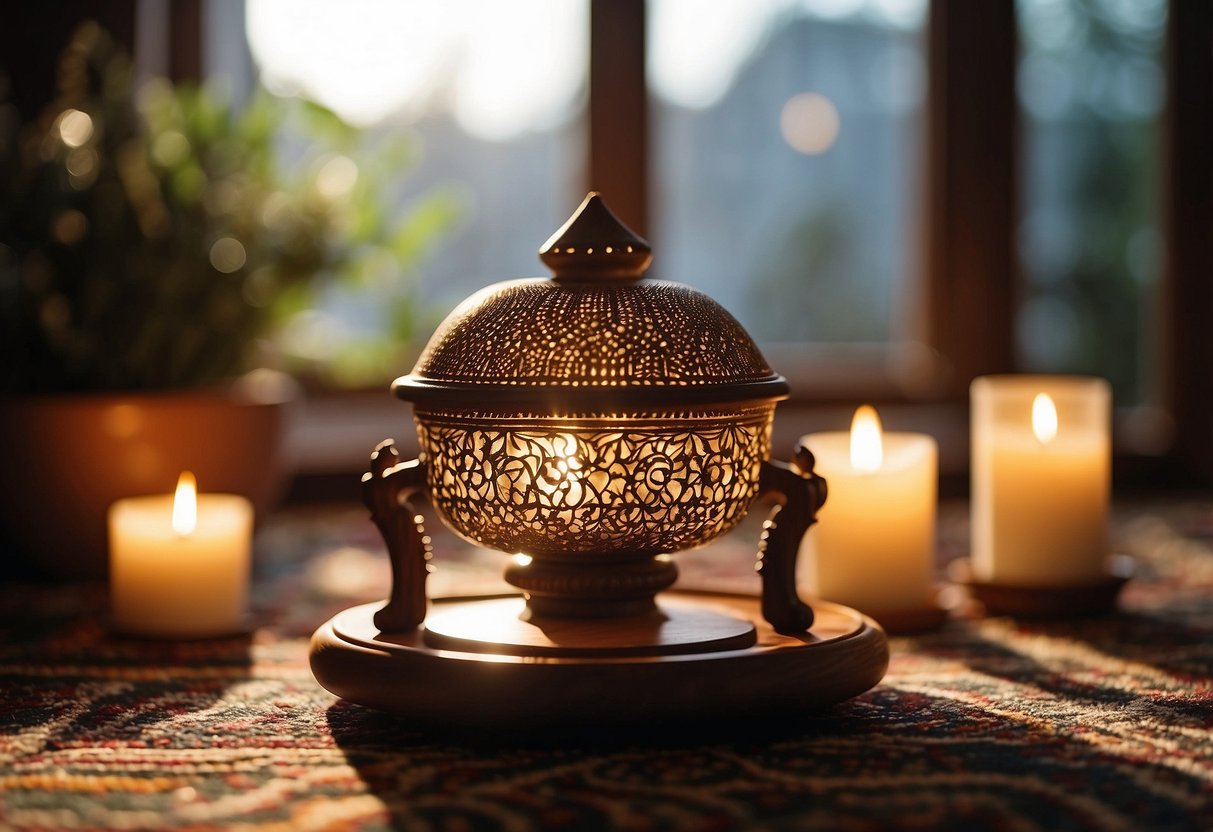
x,y
787,148
484,100
1091,90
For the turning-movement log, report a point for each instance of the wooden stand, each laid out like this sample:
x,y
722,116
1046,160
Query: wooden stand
x,y
591,641
1026,601
593,460
421,673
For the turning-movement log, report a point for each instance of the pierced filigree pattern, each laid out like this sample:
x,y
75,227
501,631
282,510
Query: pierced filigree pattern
x,y
561,488
543,333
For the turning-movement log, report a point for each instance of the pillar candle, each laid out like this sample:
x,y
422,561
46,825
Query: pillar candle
x,y
179,568
1041,469
874,542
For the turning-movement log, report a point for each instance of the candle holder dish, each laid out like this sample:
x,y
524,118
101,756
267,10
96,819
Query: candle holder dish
x,y
243,626
1046,601
592,424
913,621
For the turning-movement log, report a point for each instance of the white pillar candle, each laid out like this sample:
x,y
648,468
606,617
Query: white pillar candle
x,y
1041,471
179,565
874,542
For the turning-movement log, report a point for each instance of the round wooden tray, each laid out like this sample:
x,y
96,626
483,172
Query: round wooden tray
x,y
844,654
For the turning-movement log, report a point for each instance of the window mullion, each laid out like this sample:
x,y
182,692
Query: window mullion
x,y
971,187
618,142
1187,279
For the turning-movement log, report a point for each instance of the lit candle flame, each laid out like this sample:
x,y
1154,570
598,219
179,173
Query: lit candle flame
x,y
185,505
867,446
1044,418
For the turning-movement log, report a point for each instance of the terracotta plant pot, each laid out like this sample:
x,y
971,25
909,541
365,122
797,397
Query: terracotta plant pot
x,y
66,458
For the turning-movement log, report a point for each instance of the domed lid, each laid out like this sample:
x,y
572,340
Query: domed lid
x,y
594,336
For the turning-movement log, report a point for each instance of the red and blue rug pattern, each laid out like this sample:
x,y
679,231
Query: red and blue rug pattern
x,y
1102,723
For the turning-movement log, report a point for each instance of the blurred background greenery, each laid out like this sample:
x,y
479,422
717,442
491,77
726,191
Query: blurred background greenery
x,y
160,237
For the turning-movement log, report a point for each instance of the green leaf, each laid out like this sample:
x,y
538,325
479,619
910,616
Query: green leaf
x,y
326,124
433,215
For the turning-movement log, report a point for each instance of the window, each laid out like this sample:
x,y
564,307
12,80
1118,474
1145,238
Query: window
x,y
964,186
786,161
1091,89
489,97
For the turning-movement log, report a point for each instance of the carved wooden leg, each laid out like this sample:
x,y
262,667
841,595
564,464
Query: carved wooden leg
x,y
800,493
386,489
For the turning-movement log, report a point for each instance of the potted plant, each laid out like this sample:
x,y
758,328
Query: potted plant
x,y
150,244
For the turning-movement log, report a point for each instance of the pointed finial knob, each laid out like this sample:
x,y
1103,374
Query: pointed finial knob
x,y
593,244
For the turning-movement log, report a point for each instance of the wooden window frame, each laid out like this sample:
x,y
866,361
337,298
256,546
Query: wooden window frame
x,y
1186,308
969,284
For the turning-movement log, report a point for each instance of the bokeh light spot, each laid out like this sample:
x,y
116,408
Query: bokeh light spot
x,y
82,166
69,227
336,177
75,128
809,123
55,313
170,148
228,255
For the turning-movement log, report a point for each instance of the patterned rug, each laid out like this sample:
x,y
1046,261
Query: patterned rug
x,y
986,724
